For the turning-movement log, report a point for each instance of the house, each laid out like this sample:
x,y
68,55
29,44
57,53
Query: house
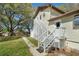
x,y
70,21
51,29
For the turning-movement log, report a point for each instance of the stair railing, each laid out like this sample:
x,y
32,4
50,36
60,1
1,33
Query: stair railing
x,y
44,34
49,40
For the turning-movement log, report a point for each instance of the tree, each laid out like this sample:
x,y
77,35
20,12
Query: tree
x,y
1,28
13,14
27,25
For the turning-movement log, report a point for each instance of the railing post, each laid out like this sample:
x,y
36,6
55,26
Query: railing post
x,y
38,43
44,48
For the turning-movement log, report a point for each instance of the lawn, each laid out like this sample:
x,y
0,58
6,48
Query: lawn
x,y
14,48
32,40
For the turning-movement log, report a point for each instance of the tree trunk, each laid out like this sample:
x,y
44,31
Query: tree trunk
x,y
11,30
28,31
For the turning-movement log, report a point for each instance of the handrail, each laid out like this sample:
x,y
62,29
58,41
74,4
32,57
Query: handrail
x,y
49,39
48,36
54,39
40,23
42,34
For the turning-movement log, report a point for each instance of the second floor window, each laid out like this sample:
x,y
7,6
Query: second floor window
x,y
43,14
40,17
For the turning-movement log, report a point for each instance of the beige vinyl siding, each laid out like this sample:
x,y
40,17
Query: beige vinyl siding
x,y
71,34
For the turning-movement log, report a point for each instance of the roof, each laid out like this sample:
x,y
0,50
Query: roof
x,y
67,14
41,8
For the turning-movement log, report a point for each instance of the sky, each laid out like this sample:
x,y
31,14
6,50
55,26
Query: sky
x,y
40,4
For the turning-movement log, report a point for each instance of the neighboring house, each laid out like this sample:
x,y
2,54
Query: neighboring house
x,y
51,30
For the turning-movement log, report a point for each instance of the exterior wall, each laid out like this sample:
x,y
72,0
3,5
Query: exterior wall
x,y
71,34
40,25
44,22
53,25
33,32
49,12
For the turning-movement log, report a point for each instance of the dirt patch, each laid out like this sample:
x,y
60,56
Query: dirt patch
x,y
64,52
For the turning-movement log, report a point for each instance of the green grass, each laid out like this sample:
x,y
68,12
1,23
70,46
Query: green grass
x,y
32,40
14,48
8,38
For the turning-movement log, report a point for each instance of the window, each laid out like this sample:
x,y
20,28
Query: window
x,y
57,24
43,14
76,22
40,17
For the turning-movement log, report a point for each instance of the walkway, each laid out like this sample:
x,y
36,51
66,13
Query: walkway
x,y
33,48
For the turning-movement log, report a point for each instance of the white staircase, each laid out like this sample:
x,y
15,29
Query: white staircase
x,y
41,30
47,40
